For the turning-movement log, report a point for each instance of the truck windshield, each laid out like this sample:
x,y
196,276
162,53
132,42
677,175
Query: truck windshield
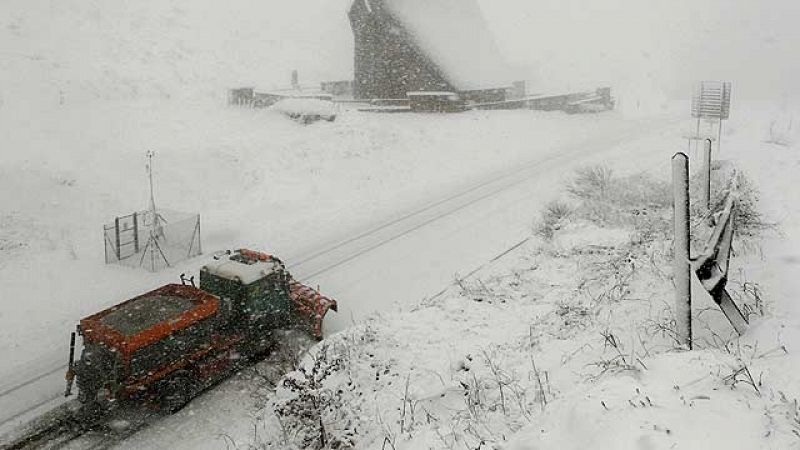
x,y
259,297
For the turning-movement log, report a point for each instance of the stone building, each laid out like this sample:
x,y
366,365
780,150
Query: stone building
x,y
404,46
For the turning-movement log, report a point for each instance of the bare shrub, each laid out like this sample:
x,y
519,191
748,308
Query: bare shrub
x,y
748,220
306,415
741,375
641,191
620,360
637,200
591,182
553,217
727,180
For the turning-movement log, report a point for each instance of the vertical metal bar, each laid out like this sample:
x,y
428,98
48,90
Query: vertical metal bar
x,y
116,230
199,242
70,365
706,176
135,233
719,138
697,135
195,233
681,264
71,348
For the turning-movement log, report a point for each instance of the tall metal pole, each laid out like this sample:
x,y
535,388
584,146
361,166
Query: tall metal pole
x,y
156,227
681,264
719,138
150,176
706,176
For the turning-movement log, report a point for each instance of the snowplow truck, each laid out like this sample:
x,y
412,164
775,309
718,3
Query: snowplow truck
x,y
167,345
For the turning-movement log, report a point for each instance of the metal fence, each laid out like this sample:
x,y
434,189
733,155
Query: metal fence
x,y
153,241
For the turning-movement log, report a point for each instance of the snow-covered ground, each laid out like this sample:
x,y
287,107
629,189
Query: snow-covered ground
x,y
565,343
86,88
258,180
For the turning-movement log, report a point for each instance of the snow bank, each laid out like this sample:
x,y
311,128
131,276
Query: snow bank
x,y
306,108
679,401
257,179
560,344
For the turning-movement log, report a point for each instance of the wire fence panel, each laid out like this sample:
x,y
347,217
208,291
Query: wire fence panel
x,y
153,241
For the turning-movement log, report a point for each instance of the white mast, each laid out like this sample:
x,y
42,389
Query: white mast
x,y
156,224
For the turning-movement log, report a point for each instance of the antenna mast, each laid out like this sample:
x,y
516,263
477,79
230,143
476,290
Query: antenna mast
x,y
156,225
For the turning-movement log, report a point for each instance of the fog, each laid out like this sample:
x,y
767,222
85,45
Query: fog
x,y
663,44
153,47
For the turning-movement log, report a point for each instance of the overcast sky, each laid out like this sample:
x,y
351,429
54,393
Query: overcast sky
x,y
665,43
207,46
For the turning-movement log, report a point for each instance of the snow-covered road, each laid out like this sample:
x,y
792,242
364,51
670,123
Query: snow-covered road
x,y
414,256
402,257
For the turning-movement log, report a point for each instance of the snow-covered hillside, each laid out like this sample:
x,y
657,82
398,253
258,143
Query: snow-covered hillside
x,y
566,340
87,87
78,52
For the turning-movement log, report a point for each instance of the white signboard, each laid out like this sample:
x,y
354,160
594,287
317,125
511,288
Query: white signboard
x,y
712,99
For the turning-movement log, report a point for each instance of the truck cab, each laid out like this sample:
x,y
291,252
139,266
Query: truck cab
x,y
254,295
258,292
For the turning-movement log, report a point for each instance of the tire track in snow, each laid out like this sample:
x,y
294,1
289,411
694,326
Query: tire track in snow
x,y
439,209
346,250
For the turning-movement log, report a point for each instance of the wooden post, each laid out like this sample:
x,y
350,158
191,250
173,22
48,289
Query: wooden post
x,y
682,269
705,182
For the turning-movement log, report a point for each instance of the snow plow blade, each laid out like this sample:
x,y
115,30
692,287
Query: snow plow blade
x,y
311,306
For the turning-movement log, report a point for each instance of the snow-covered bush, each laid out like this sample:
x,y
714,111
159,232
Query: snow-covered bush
x,y
309,408
512,349
637,200
553,217
591,182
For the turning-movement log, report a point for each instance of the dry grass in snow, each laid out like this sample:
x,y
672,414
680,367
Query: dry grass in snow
x,y
567,342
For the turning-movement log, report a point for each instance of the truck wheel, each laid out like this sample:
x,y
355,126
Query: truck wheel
x,y
91,407
91,410
177,392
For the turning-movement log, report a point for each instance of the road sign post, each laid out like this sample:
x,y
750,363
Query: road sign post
x,y
705,178
712,100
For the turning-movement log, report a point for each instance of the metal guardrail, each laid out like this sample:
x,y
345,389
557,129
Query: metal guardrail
x,y
711,267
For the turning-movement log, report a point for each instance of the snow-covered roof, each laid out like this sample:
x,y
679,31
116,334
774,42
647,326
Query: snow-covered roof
x,y
239,271
456,37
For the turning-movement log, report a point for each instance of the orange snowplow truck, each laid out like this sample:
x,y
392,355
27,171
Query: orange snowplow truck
x,y
166,346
